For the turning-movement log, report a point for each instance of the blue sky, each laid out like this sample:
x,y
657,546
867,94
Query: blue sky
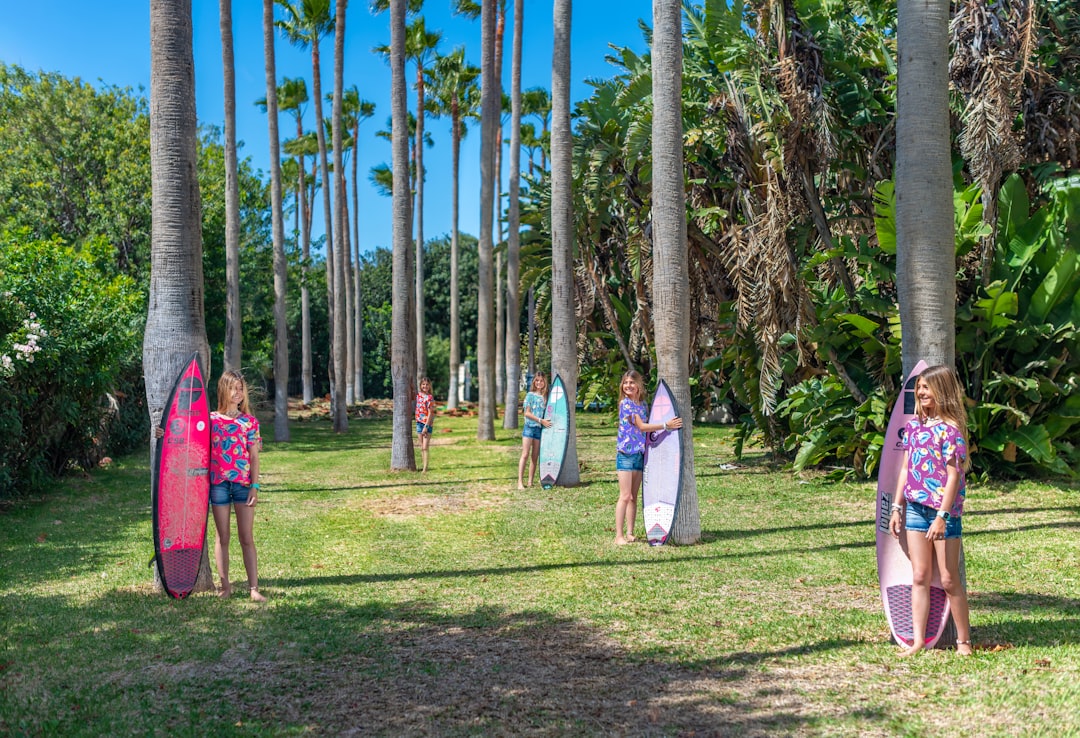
x,y
108,43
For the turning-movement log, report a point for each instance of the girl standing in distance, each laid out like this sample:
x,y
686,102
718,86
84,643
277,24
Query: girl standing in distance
x,y
234,477
932,482
425,417
535,422
630,451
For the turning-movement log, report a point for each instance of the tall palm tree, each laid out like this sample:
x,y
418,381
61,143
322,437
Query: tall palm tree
x,y
925,249
281,326
420,48
341,286
233,328
513,246
402,349
292,97
485,323
671,280
175,320
455,94
307,22
500,306
356,111
537,102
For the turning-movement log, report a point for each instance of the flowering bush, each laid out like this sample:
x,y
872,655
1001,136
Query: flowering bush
x,y
67,333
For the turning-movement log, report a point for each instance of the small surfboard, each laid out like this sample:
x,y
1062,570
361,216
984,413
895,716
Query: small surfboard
x,y
894,567
662,478
181,482
553,440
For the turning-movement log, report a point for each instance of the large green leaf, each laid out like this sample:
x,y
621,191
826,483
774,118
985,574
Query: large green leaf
x,y
885,215
1061,283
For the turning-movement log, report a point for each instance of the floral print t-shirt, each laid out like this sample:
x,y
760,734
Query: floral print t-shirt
x,y
231,440
536,405
424,405
630,440
932,447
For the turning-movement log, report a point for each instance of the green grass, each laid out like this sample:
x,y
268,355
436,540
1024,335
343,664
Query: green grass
x,y
452,604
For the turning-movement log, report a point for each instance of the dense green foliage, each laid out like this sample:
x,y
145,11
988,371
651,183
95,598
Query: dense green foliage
x,y
67,337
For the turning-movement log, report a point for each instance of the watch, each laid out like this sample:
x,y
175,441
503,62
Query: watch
x,y
944,515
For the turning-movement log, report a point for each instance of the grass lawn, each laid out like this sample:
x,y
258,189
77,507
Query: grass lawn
x,y
450,603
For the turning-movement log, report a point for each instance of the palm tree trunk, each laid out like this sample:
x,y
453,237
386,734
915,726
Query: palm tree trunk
x,y
402,349
281,328
341,417
233,360
328,218
563,320
421,348
358,320
175,320
671,279
350,304
455,299
513,246
925,253
500,305
485,328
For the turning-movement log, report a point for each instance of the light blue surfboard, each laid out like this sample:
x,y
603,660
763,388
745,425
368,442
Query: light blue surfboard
x,y
554,440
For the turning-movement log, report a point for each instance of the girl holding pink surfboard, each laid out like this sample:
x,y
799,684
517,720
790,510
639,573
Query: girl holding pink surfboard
x,y
931,483
630,451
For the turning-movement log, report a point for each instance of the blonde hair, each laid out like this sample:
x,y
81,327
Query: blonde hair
x,y
948,401
430,387
536,377
225,385
635,377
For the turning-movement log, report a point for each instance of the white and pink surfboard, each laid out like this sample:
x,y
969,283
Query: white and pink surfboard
x,y
894,567
662,477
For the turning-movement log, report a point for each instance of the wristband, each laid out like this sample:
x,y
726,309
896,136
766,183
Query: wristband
x,y
255,485
896,507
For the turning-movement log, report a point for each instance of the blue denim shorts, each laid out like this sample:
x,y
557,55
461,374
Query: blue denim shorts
x,y
629,462
919,517
532,432
421,427
227,493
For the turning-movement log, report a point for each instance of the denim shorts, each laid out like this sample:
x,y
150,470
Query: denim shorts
x,y
919,517
629,462
531,432
226,493
420,427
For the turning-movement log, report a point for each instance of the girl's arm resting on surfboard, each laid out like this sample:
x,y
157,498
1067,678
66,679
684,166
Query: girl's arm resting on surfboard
x,y
644,427
896,523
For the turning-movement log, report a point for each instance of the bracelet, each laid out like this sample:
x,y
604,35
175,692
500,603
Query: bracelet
x,y
897,508
255,485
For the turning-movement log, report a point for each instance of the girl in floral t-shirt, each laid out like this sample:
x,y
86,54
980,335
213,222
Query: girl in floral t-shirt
x,y
425,417
630,451
931,485
234,477
533,409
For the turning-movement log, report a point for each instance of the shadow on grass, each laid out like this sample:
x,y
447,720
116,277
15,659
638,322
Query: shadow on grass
x,y
379,668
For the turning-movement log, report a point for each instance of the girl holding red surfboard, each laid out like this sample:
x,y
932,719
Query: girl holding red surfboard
x,y
932,485
630,451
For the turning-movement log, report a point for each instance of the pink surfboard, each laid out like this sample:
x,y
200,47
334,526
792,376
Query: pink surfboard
x,y
662,478
894,567
181,482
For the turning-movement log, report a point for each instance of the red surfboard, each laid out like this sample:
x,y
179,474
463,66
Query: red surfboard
x,y
181,482
894,567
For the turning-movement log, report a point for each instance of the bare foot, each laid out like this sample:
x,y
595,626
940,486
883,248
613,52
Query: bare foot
x,y
910,651
521,486
620,541
631,539
963,648
225,592
256,595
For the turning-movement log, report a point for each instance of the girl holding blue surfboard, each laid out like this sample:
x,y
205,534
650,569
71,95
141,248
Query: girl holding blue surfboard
x,y
630,451
535,422
931,484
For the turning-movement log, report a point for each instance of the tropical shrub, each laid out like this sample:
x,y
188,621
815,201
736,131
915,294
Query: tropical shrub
x,y
66,331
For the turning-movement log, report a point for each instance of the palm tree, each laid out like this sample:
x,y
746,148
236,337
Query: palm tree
x,y
341,286
356,111
455,94
292,96
233,329
671,280
485,324
307,22
536,101
175,320
420,47
402,350
513,247
925,252
281,327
